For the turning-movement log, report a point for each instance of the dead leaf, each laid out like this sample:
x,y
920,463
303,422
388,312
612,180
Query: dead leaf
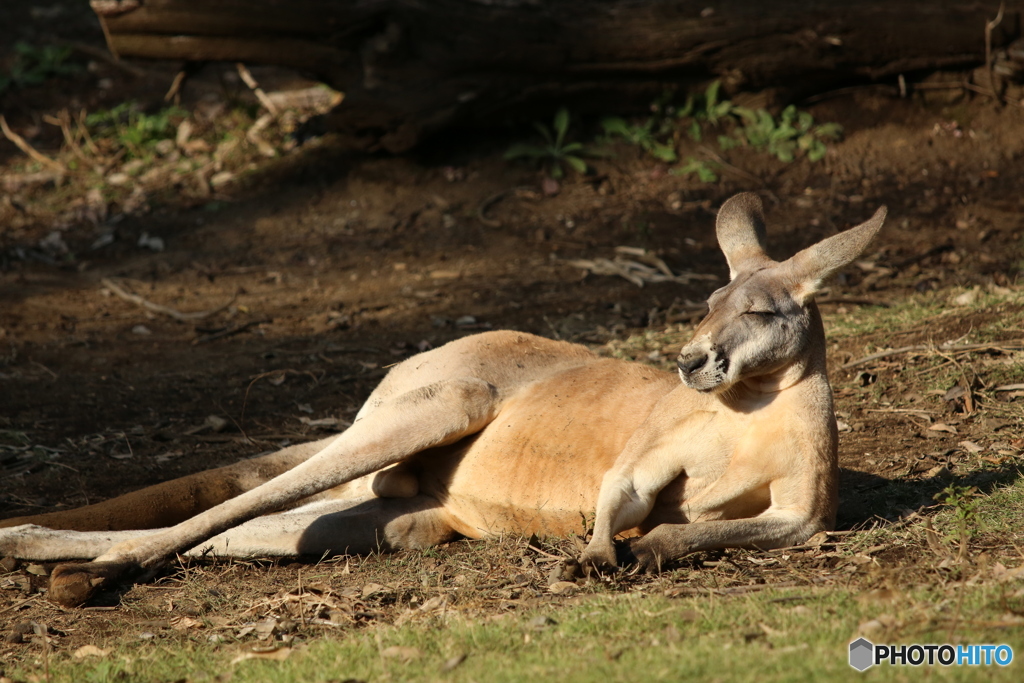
x,y
453,662
90,651
817,540
942,427
278,654
970,447
371,589
182,623
266,628
406,654
563,588
436,602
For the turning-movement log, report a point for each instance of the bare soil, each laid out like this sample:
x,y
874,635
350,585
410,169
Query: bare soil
x,y
337,265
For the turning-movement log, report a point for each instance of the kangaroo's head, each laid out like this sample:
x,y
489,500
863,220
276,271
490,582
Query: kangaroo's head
x,y
763,324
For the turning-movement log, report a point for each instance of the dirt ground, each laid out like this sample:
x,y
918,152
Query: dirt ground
x,y
328,266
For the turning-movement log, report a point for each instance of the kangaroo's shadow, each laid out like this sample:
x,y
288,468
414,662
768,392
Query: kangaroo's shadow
x,y
866,497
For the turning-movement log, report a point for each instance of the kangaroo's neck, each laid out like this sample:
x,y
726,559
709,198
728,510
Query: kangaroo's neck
x,y
809,365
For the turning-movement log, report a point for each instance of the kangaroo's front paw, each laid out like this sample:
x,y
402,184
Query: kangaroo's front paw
x,y
72,585
598,557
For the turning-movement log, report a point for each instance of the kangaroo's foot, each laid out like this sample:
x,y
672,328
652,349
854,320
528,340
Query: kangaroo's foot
x,y
72,585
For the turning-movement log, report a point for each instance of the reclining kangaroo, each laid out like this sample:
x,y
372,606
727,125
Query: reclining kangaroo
x,y
506,432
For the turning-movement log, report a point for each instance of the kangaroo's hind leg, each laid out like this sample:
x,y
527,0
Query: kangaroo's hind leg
x,y
337,527
174,501
318,529
434,415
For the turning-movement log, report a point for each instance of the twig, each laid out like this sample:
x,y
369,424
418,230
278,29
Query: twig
x,y
282,373
1014,345
63,120
989,27
481,211
80,120
941,249
48,371
228,332
158,308
546,554
977,88
175,90
11,608
688,312
28,149
255,87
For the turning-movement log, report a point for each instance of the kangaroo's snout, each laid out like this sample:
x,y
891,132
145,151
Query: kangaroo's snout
x,y
691,362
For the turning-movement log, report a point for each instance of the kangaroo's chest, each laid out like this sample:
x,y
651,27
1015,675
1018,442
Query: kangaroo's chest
x,y
743,451
537,467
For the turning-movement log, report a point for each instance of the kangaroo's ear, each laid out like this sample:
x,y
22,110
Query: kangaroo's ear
x,y
741,232
812,266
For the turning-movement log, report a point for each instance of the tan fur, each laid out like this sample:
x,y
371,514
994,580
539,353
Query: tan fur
x,y
506,432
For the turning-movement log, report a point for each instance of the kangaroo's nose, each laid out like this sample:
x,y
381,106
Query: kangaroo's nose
x,y
690,363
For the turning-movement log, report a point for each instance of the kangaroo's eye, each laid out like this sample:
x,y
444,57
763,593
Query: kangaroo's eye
x,y
761,314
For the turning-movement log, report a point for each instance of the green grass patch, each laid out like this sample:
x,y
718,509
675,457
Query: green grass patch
x,y
772,635
1000,312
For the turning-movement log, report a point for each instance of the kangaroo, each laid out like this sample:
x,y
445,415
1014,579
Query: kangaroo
x,y
509,433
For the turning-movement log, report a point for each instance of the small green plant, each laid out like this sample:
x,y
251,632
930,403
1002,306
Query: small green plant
x,y
786,137
130,128
642,136
705,109
794,131
964,501
35,65
705,170
556,151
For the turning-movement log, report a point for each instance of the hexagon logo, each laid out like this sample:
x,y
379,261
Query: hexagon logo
x,y
862,654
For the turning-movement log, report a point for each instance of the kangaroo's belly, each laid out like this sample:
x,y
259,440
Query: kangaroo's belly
x,y
537,468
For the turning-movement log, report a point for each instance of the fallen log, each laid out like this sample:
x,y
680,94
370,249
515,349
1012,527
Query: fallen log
x,y
412,67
